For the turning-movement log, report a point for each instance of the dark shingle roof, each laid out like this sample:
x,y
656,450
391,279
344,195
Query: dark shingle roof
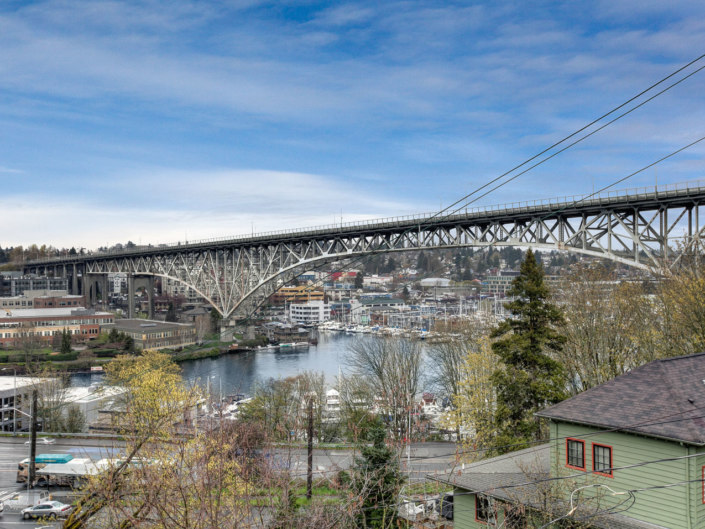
x,y
665,399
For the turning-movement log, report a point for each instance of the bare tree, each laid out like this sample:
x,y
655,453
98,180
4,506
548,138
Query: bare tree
x,y
393,367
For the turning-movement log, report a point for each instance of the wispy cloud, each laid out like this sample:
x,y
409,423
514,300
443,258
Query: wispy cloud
x,y
282,113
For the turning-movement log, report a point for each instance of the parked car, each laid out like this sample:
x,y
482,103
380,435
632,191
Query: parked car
x,y
48,509
42,441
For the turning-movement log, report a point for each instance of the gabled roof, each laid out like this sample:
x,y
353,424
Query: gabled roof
x,y
664,399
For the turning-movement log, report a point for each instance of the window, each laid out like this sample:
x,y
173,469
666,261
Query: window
x,y
483,509
602,459
575,453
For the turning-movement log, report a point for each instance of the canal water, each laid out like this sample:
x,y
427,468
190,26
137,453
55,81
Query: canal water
x,y
240,372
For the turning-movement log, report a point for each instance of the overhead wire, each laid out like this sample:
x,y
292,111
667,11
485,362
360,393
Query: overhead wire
x,y
430,220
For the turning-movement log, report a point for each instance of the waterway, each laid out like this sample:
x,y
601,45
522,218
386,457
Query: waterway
x,y
240,372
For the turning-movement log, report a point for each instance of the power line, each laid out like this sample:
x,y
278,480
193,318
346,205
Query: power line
x,y
496,179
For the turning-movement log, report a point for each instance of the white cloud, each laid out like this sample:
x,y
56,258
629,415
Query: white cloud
x,y
175,205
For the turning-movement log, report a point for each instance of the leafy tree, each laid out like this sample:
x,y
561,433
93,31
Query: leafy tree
x,y
113,336
376,479
474,400
65,341
529,378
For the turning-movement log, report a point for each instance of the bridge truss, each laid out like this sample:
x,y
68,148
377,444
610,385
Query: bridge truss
x,y
649,229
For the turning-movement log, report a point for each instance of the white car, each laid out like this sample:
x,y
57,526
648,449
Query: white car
x,y
47,509
42,441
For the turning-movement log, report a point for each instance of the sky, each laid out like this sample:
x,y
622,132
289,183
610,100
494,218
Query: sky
x,y
160,121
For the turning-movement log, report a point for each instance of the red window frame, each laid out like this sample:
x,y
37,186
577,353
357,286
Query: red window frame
x,y
611,472
477,498
567,453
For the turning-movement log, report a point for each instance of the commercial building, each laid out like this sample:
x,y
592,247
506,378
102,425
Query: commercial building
x,y
311,312
42,299
43,324
298,294
91,399
14,284
151,334
16,400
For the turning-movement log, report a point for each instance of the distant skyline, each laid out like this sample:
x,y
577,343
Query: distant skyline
x,y
156,121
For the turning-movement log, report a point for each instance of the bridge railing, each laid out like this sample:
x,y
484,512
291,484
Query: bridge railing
x,y
601,198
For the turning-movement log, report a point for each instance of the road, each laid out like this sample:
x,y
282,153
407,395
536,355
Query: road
x,y
424,458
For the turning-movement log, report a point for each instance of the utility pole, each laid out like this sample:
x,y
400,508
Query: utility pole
x,y
309,476
33,440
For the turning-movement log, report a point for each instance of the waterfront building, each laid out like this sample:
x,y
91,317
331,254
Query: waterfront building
x,y
297,294
310,312
42,324
151,334
90,400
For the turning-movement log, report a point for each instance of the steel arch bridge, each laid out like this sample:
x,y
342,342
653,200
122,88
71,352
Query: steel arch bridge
x,y
648,228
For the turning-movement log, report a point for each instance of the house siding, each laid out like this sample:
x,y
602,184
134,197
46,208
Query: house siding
x,y
464,512
673,507
698,492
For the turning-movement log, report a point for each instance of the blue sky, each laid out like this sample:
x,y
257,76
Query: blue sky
x,y
156,121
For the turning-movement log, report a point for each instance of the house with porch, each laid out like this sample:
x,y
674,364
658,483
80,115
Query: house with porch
x,y
629,454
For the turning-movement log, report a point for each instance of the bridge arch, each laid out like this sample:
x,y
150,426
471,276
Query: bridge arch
x,y
639,228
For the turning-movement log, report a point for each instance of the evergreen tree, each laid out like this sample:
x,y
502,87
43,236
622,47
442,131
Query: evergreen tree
x,y
171,313
215,320
529,379
65,341
359,277
376,478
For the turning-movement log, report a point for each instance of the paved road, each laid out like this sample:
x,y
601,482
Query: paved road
x,y
425,458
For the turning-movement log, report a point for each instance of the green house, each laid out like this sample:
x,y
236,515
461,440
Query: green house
x,y
629,454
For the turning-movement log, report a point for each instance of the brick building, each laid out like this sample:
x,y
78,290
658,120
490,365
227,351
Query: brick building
x,y
43,324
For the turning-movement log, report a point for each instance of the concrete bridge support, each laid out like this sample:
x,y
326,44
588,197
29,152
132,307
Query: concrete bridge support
x,y
133,283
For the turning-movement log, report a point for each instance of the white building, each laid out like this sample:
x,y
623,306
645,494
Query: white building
x,y
332,410
16,400
310,312
91,399
119,282
376,281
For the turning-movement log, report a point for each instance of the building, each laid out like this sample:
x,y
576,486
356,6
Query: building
x,y
91,399
16,284
174,288
42,299
309,313
43,324
151,334
16,399
629,454
297,294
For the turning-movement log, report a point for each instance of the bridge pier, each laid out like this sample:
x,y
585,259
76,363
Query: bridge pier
x,y
133,283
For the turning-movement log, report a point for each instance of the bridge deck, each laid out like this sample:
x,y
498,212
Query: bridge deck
x,y
672,195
